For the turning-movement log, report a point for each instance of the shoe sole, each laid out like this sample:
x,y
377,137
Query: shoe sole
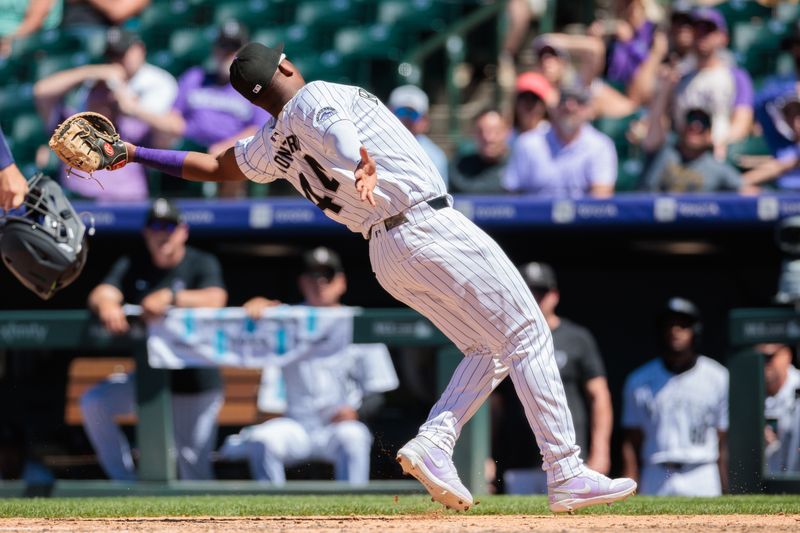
x,y
441,492
567,506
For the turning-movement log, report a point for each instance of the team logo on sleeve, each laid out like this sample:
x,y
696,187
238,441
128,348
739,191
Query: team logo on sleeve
x,y
324,114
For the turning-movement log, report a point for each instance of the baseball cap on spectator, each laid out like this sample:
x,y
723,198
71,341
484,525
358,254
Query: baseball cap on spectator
x,y
163,214
533,82
231,36
789,104
681,13
322,262
712,16
539,276
542,45
700,116
409,101
118,41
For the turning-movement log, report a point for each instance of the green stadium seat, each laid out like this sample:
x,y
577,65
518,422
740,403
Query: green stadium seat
x,y
617,129
377,41
736,11
54,63
757,46
750,146
46,42
251,13
328,66
415,14
297,39
158,21
15,99
629,174
787,12
28,134
329,14
192,46
167,60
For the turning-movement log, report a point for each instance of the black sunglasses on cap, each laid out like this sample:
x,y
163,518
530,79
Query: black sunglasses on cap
x,y
162,225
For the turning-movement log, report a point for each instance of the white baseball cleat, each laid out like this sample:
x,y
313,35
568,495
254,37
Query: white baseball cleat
x,y
435,470
588,488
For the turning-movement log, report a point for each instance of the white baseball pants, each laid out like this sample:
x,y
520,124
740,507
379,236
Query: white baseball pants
x,y
701,480
275,444
445,267
194,418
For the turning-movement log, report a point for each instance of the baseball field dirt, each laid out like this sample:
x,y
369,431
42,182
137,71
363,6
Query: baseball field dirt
x,y
433,523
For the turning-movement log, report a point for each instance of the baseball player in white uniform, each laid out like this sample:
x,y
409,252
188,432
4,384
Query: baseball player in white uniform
x,y
348,154
781,408
675,414
323,395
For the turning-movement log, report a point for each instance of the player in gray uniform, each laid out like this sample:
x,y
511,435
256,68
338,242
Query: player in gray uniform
x,y
332,142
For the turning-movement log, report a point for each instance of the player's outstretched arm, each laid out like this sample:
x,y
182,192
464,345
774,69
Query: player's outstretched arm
x,y
366,176
13,186
192,166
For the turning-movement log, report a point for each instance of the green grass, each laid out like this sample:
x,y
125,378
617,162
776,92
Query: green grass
x,y
345,505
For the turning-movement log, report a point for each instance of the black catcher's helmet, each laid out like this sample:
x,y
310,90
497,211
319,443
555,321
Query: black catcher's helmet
x,y
45,244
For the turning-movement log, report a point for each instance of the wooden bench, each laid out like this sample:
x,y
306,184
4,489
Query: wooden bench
x,y
240,384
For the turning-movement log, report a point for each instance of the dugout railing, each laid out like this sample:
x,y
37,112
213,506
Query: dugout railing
x,y
746,442
78,330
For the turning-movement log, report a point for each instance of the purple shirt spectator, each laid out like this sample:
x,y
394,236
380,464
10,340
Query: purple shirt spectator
x,y
541,165
625,57
718,90
213,112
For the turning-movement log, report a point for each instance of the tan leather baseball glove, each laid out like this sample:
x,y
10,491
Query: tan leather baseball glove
x,y
89,141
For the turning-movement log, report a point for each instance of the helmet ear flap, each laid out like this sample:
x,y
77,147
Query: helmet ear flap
x,y
46,246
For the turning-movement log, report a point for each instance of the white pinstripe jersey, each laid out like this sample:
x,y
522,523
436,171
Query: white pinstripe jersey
x,y
291,147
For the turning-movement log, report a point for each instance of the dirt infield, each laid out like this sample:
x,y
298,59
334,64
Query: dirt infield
x,y
428,524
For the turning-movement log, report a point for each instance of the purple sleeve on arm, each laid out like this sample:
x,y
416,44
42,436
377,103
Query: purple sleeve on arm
x,y
167,161
744,88
6,159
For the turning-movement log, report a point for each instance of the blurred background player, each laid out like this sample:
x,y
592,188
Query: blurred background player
x,y
410,104
781,408
585,385
125,77
675,413
208,112
13,185
169,274
327,397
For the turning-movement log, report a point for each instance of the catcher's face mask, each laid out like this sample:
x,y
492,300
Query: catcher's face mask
x,y
45,246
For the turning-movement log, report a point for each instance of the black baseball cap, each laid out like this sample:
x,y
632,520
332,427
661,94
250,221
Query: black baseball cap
x,y
118,40
253,67
232,35
699,115
322,261
163,210
539,276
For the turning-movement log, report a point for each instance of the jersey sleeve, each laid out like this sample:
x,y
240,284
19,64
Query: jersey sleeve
x,y
603,170
518,168
722,418
252,157
744,96
116,275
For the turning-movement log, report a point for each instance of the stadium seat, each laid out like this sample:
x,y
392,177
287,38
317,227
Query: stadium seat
x,y
15,99
46,42
750,146
297,39
629,174
736,11
377,40
757,46
617,129
787,12
328,66
415,14
28,134
252,13
158,22
329,14
54,63
167,60
192,46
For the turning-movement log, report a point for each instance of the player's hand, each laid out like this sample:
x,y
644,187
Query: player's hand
x,y
254,307
156,304
366,177
13,187
113,318
344,414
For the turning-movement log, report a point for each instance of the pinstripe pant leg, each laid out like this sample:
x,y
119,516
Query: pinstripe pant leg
x,y
449,270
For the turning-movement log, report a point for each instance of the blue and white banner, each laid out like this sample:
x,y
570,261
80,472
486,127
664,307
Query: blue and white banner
x,y
228,337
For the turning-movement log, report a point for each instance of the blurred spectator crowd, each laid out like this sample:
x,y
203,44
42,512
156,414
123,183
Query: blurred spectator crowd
x,y
656,96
